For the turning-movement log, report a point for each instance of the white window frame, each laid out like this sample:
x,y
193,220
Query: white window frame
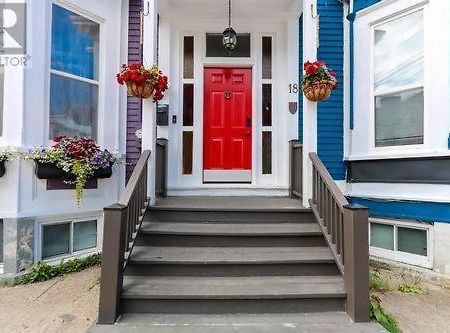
x,y
396,90
404,257
76,77
71,254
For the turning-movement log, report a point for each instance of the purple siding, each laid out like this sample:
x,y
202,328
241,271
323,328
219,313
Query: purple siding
x,y
134,105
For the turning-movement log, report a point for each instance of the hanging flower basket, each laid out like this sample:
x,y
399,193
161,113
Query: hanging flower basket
x,y
318,81
144,90
73,160
143,82
318,91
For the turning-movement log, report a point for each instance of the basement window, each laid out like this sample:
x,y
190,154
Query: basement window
x,y
402,241
67,238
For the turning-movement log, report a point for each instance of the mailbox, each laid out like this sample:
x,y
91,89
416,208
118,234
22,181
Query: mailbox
x,y
162,115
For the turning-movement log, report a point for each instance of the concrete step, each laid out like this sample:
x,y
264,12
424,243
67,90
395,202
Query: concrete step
x,y
325,322
230,234
230,255
232,295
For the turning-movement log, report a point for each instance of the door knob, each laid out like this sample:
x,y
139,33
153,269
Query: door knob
x,y
248,133
248,122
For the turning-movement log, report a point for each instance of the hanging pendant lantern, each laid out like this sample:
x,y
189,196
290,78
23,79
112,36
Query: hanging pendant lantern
x,y
229,36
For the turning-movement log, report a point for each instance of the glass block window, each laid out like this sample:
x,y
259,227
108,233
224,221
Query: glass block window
x,y
403,241
398,81
56,240
215,48
382,236
84,235
74,74
188,57
67,238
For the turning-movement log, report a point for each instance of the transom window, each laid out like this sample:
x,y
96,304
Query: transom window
x,y
74,74
398,81
215,48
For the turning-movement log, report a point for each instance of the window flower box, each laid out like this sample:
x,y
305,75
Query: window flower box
x,y
4,157
73,160
51,171
2,168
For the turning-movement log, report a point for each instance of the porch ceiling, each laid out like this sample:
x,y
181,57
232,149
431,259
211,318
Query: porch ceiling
x,y
248,10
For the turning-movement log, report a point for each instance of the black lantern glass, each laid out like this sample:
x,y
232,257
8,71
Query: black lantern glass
x,y
229,37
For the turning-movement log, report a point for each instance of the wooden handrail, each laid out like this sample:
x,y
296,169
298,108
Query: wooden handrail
x,y
121,223
345,229
134,179
326,177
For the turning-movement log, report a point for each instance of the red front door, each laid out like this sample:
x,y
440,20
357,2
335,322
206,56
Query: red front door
x,y
227,138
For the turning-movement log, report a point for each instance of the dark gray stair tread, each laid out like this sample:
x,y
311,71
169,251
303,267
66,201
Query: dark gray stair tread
x,y
228,255
209,203
274,287
232,229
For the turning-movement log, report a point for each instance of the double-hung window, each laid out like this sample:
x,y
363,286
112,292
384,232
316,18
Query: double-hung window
x,y
398,80
74,81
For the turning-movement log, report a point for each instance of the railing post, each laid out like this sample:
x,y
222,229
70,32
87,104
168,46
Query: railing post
x,y
114,235
356,262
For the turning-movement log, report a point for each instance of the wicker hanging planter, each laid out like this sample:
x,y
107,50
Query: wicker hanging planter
x,y
318,90
144,90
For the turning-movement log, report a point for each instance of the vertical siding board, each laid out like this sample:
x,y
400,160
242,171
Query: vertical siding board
x,y
330,113
134,105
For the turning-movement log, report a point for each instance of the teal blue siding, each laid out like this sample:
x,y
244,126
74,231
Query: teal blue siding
x,y
300,94
413,210
330,113
361,4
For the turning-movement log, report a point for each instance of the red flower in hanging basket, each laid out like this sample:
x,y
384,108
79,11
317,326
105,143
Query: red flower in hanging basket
x,y
143,82
318,81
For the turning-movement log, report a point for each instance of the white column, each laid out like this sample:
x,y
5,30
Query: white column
x,y
148,107
309,108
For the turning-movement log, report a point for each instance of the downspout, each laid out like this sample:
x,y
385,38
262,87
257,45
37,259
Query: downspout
x,y
351,18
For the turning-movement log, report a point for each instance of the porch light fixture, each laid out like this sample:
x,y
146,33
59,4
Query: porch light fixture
x,y
229,36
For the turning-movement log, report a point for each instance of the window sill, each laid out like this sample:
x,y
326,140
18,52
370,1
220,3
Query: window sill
x,y
395,154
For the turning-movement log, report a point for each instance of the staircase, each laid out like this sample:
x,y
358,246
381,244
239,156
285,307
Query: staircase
x,y
205,259
197,264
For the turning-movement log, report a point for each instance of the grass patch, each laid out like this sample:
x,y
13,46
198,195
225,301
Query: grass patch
x,y
377,283
410,287
381,316
42,271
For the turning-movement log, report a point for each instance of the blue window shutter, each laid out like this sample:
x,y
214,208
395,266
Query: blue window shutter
x,y
330,113
300,94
